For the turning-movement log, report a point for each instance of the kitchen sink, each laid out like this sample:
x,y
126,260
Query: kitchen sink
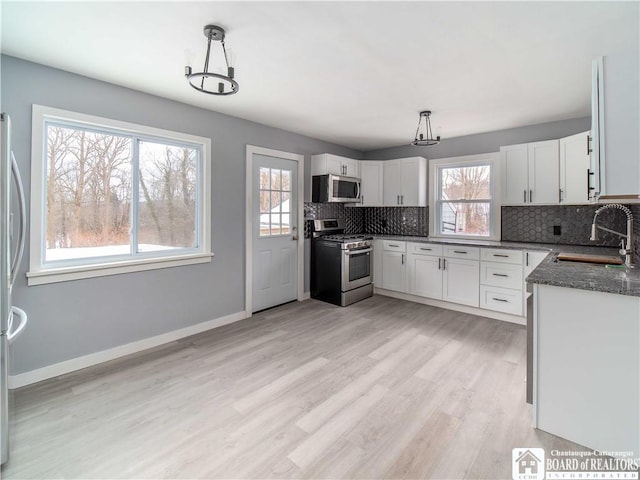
x,y
585,258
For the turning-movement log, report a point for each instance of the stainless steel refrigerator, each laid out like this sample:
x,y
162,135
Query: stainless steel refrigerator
x,y
12,319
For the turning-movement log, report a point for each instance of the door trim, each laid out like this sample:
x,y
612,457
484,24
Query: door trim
x,y
248,255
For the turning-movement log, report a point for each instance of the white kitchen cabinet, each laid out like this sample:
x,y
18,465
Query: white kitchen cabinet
x,y
531,173
498,299
327,163
615,125
461,281
394,266
575,163
377,263
514,164
586,362
371,183
405,182
425,271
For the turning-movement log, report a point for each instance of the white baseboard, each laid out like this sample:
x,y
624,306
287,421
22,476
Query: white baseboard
x,y
306,295
51,371
505,317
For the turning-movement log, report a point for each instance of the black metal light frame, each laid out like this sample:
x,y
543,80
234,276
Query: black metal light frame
x,y
213,33
420,140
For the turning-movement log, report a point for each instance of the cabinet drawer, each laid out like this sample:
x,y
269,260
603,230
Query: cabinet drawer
x,y
394,246
501,300
472,253
501,255
425,249
501,275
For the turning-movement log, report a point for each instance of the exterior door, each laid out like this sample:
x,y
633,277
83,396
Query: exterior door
x,y
275,231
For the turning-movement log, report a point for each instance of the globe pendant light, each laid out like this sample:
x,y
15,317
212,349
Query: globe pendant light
x,y
424,135
226,84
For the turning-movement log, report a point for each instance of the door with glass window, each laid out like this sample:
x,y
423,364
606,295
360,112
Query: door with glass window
x,y
275,232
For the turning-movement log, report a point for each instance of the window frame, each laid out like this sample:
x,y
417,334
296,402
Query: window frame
x,y
40,271
495,203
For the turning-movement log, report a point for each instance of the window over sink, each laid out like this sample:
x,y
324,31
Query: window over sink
x,y
463,200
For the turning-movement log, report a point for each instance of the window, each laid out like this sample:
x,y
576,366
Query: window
x,y
463,197
275,208
110,197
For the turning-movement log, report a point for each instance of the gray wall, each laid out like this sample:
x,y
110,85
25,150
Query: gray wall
x,y
71,319
485,142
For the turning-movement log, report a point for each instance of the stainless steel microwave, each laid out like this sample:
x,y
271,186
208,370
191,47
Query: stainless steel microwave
x,y
335,188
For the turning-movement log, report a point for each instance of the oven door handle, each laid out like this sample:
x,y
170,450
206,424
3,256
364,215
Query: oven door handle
x,y
355,252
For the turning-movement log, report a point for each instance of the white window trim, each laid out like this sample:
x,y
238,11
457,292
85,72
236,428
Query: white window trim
x,y
39,273
496,203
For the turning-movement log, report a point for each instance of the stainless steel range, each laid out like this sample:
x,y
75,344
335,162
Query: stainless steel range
x,y
341,264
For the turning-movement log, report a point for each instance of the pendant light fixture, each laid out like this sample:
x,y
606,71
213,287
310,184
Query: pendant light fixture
x,y
424,135
225,84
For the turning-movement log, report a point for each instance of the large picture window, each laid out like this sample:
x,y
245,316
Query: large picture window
x,y
105,193
463,200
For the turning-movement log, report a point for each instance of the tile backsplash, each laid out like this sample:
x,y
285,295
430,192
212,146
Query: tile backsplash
x,y
412,221
536,224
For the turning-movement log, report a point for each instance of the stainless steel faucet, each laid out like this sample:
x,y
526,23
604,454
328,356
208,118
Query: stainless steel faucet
x,y
626,247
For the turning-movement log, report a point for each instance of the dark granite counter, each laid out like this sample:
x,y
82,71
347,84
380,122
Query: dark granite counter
x,y
583,276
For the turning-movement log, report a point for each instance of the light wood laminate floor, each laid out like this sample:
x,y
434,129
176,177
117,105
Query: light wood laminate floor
x,y
381,389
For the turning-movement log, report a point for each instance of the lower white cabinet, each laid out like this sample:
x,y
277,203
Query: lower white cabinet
x,y
425,276
461,281
432,275
394,271
506,300
486,278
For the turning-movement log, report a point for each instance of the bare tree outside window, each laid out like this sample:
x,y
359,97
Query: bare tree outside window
x,y
89,192
465,200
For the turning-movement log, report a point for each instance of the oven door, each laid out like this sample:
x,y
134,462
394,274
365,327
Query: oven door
x,y
356,268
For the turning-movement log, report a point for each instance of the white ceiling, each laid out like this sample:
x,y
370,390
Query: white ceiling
x,y
352,73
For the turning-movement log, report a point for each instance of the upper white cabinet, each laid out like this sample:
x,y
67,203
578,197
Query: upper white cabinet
x,y
371,185
326,163
574,168
615,125
531,173
405,182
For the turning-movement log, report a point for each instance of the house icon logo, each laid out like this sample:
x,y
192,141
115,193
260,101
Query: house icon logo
x,y
527,463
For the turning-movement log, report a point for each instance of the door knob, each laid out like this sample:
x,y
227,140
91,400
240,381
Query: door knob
x,y
294,238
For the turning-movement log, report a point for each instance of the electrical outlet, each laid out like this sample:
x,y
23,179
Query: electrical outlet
x,y
557,230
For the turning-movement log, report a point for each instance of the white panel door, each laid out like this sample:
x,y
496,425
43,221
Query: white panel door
x,y
514,164
575,162
544,172
392,184
371,177
461,281
394,271
425,276
275,231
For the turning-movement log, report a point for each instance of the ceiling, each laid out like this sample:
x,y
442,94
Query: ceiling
x,y
352,73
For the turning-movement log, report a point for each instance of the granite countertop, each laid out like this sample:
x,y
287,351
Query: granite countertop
x,y
583,276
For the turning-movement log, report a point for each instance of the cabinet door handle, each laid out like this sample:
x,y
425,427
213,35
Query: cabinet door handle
x,y
500,300
439,264
426,249
530,196
524,198
499,275
444,263
500,255
460,251
527,259
588,146
393,245
560,195
402,256
401,199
